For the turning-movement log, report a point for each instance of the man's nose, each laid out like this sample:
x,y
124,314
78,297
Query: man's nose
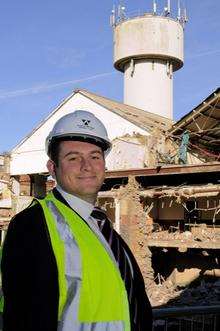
x,y
85,164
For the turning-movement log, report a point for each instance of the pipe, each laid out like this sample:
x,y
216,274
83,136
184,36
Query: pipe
x,y
186,191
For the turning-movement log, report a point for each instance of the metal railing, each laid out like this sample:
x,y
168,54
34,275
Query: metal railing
x,y
201,318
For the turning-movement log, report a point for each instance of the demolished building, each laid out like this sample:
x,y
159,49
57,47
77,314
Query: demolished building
x,y
161,190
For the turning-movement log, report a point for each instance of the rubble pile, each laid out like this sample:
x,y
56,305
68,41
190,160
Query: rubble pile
x,y
160,295
165,294
200,233
206,294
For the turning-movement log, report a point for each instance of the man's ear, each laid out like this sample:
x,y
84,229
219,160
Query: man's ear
x,y
51,168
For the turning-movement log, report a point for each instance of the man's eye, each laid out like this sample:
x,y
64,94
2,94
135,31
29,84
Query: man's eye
x,y
96,157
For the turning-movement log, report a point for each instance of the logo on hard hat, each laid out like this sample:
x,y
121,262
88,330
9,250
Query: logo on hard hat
x,y
85,125
86,122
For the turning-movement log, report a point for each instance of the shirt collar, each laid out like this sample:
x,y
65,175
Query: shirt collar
x,y
82,207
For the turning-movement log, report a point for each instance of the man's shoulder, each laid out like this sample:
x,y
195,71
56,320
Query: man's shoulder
x,y
28,215
30,209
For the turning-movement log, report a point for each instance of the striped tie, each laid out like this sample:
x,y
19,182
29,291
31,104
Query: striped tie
x,y
115,242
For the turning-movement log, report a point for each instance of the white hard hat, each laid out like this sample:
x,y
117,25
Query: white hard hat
x,y
79,125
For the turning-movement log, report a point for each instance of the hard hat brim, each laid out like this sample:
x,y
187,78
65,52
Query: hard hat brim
x,y
103,144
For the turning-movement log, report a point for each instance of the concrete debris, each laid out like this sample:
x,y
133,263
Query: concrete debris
x,y
166,294
161,294
200,233
207,293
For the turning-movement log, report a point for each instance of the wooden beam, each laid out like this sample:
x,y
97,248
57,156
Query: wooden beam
x,y
184,244
165,170
194,113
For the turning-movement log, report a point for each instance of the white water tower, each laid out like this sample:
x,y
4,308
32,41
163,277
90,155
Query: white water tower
x,y
148,48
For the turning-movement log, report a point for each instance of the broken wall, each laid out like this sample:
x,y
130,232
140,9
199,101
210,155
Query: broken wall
x,y
150,150
5,195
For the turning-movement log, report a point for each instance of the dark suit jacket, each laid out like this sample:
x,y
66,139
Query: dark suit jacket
x,y
30,277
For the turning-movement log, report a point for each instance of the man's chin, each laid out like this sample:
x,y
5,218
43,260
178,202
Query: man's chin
x,y
90,192
87,192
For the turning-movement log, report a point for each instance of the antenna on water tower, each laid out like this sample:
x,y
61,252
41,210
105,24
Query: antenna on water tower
x,y
154,7
182,16
113,17
167,8
179,11
121,10
185,16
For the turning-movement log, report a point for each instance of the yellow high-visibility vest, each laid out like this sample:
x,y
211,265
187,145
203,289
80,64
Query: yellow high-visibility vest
x,y
103,296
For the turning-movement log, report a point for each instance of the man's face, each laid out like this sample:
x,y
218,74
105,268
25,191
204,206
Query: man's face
x,y
80,170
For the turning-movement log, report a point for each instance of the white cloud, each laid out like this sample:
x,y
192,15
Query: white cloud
x,y
204,54
46,87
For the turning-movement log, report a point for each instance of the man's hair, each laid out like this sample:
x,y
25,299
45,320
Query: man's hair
x,y
54,151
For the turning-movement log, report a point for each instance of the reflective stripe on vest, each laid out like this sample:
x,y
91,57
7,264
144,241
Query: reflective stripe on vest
x,y
103,297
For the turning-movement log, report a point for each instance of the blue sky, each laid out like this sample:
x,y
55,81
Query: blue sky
x,y
49,48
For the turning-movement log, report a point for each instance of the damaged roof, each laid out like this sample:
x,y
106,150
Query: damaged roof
x,y
143,119
203,126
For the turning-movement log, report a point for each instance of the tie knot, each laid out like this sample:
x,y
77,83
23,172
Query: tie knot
x,y
98,214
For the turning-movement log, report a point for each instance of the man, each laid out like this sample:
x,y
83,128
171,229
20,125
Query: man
x,y
63,266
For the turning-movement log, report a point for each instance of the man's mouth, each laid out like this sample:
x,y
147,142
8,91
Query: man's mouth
x,y
87,177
